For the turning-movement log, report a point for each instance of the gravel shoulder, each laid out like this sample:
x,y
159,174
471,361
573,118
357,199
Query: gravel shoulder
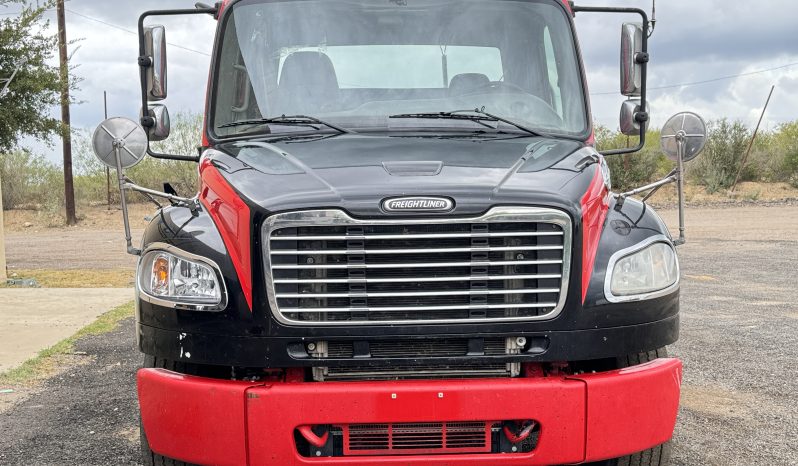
x,y
86,415
739,343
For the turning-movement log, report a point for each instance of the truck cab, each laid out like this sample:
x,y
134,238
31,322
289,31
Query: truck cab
x,y
405,248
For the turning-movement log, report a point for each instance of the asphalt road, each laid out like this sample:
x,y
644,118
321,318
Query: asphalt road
x,y
739,342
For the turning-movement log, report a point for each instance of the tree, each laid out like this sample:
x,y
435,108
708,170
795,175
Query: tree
x,y
25,109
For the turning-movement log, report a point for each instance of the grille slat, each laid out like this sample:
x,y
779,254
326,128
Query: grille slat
x,y
461,278
416,293
333,252
326,268
413,265
526,234
416,308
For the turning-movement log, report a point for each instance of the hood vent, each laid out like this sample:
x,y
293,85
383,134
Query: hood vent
x,y
413,168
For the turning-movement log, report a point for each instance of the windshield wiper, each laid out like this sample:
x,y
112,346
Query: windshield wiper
x,y
294,120
481,117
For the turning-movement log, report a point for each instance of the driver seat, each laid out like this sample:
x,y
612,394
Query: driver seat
x,y
308,84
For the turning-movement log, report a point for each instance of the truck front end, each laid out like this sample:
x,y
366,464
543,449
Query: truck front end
x,y
404,250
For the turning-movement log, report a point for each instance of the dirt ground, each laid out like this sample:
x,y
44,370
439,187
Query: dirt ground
x,y
739,344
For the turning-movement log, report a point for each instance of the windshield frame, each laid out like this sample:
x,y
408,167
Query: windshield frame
x,y
213,85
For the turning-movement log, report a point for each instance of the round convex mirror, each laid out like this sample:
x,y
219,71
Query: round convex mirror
x,y
688,129
127,135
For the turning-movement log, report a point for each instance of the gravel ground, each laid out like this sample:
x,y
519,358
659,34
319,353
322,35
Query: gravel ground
x,y
87,415
739,343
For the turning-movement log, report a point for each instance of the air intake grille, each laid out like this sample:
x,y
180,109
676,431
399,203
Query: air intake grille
x,y
418,438
325,268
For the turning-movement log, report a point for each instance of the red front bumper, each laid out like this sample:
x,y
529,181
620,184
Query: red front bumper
x,y
583,418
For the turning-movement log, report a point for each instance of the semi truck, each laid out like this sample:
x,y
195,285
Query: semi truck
x,y
405,248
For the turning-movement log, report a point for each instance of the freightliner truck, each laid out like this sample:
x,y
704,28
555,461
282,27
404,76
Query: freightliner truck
x,y
405,248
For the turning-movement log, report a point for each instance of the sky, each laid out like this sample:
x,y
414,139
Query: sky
x,y
694,42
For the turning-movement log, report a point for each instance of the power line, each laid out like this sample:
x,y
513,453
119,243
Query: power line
x,y
96,20
115,26
711,80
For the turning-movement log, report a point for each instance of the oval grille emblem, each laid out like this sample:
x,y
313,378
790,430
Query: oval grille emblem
x,y
418,204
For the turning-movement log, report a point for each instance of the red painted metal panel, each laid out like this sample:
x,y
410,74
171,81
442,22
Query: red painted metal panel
x,y
595,204
192,419
559,405
232,218
632,409
582,418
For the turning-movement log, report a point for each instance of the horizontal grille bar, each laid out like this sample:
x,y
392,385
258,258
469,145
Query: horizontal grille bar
x,y
412,265
461,278
520,234
415,293
420,308
332,252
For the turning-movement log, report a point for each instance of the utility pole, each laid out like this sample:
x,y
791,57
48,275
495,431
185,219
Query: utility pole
x,y
753,139
107,169
69,189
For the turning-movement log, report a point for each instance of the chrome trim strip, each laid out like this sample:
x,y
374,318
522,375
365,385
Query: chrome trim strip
x,y
288,281
398,294
320,218
524,234
184,306
332,252
322,310
419,265
628,252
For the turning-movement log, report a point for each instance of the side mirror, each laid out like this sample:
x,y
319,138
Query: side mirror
x,y
630,119
632,59
161,127
155,49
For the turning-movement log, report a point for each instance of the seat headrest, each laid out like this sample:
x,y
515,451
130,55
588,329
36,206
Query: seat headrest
x,y
308,69
468,81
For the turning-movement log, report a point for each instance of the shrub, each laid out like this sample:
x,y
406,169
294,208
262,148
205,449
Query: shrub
x,y
632,170
718,166
29,180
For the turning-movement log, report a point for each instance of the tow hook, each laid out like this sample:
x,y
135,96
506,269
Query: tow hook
x,y
518,431
318,438
312,438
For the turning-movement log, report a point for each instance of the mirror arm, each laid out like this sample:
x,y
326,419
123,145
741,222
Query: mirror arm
x,y
192,204
655,190
145,62
642,58
672,178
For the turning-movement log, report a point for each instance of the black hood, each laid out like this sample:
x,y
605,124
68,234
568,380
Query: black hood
x,y
357,172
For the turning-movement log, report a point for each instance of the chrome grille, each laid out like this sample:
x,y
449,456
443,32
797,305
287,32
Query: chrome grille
x,y
326,268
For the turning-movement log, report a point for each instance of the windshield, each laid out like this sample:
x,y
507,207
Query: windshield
x,y
360,64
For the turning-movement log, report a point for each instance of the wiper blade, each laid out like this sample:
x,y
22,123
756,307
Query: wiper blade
x,y
456,115
294,120
481,117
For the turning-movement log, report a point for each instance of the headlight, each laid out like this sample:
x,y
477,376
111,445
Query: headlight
x,y
174,278
647,270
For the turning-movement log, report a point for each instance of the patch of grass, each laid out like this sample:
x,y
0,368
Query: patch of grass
x,y
115,278
50,358
753,195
